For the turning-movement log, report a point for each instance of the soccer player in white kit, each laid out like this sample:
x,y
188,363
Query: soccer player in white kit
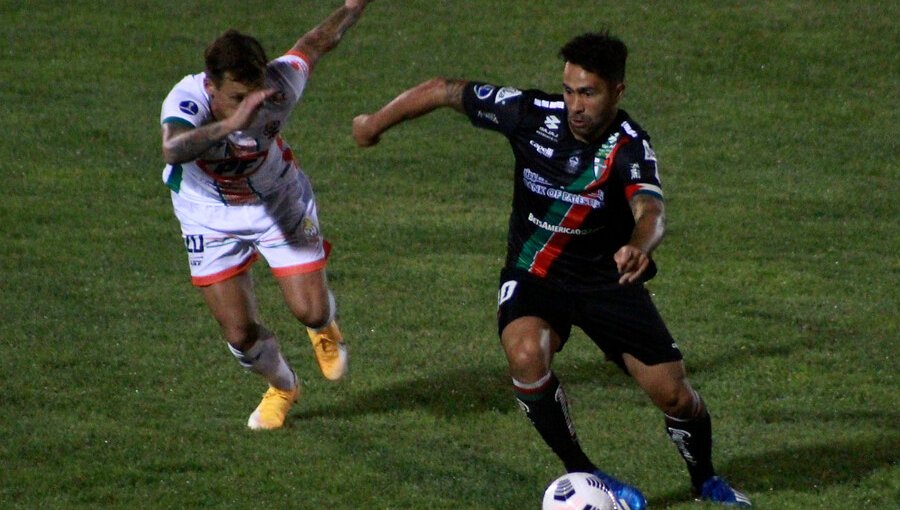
x,y
239,192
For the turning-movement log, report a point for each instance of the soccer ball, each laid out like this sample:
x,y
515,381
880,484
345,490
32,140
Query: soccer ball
x,y
578,491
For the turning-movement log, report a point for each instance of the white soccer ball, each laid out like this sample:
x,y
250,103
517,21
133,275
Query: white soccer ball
x,y
578,491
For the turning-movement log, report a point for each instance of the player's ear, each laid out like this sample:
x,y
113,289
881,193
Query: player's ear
x,y
620,91
209,86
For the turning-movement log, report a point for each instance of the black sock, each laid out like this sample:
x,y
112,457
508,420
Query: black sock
x,y
548,409
693,438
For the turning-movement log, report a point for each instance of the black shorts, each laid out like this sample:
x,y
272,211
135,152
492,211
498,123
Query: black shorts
x,y
619,320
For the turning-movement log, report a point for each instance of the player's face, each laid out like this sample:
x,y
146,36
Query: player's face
x,y
225,98
592,102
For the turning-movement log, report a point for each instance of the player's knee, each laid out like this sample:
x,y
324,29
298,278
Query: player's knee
x,y
679,402
314,311
526,357
242,336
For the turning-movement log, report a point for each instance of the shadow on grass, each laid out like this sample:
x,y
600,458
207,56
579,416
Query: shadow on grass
x,y
454,392
480,389
810,468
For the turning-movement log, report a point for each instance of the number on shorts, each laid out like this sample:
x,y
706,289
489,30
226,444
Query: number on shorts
x,y
506,291
194,244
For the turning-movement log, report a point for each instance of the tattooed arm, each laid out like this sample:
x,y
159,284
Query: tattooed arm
x,y
412,103
326,36
183,143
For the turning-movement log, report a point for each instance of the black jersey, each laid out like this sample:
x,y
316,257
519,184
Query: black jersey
x,y
571,209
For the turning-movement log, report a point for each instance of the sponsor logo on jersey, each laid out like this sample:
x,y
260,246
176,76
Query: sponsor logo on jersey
x,y
541,186
543,151
189,107
649,154
489,116
546,133
506,93
635,171
549,105
484,91
630,130
559,229
531,176
552,122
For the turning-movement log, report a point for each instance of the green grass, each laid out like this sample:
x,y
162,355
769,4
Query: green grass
x,y
775,123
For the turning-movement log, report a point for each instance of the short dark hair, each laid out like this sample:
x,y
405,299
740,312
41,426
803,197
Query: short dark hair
x,y
237,54
598,53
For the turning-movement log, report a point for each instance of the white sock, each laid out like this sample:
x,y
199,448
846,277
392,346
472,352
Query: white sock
x,y
265,358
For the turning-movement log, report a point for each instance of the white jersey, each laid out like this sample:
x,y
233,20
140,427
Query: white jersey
x,y
249,164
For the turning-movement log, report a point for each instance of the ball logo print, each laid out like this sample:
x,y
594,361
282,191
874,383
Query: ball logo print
x,y
578,491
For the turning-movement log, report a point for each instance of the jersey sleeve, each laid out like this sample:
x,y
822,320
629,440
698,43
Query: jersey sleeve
x,y
492,107
185,105
637,168
289,74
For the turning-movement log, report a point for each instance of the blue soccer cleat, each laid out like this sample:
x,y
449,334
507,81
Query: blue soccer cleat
x,y
717,490
627,497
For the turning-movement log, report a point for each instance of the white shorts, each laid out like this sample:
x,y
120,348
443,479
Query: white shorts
x,y
225,240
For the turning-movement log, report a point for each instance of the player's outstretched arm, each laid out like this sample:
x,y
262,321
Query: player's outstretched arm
x,y
415,102
327,34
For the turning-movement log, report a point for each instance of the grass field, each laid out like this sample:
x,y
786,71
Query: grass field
x,y
776,127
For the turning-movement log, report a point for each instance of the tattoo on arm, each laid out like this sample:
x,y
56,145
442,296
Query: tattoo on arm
x,y
454,97
182,144
326,36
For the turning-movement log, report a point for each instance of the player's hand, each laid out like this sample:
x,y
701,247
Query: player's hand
x,y
631,262
249,107
363,133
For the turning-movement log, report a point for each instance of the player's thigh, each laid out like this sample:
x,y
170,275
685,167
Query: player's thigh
x,y
306,295
529,343
233,305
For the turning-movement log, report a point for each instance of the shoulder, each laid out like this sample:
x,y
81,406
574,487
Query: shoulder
x,y
288,74
187,102
290,63
507,102
636,141
630,129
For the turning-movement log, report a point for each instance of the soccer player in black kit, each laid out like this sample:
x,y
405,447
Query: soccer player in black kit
x,y
587,214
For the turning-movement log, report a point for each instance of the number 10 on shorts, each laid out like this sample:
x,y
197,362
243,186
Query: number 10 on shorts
x,y
506,291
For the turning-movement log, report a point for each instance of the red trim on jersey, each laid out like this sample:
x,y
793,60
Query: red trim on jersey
x,y
303,57
309,267
607,165
574,218
221,276
553,248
